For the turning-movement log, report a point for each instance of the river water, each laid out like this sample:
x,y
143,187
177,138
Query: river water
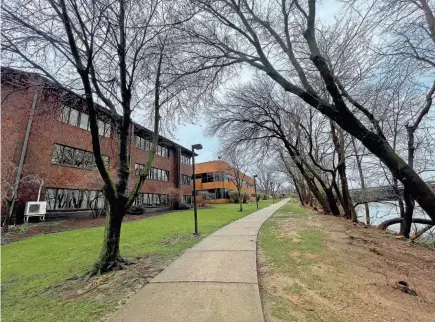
x,y
381,211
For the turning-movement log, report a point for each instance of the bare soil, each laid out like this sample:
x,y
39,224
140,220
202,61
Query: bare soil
x,y
112,289
352,278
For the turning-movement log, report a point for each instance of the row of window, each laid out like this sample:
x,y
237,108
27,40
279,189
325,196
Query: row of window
x,y
153,174
63,199
186,180
73,199
66,155
185,160
219,193
151,199
219,177
145,145
74,117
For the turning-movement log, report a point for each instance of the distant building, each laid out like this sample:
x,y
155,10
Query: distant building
x,y
59,147
214,177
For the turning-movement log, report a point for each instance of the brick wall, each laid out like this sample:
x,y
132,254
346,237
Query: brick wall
x,y
46,130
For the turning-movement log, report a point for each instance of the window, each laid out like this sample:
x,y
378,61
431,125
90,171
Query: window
x,y
162,151
64,113
153,174
84,121
100,127
68,199
78,158
186,199
185,160
145,145
68,155
186,180
219,176
65,155
56,157
152,199
76,118
207,177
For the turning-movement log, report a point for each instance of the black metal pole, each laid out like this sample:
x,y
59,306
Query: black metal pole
x,y
255,190
194,193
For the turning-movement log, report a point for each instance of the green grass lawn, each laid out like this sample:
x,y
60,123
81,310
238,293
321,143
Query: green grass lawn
x,y
32,265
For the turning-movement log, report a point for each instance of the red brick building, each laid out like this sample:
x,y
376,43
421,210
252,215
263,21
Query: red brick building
x,y
59,148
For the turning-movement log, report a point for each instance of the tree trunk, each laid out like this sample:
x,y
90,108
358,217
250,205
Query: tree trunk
x,y
346,200
110,257
331,201
299,192
405,228
8,216
362,181
393,221
240,201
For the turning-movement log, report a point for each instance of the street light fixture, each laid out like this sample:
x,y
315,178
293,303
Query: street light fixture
x,y
195,147
255,190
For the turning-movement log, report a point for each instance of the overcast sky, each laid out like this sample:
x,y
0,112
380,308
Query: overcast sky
x,y
189,134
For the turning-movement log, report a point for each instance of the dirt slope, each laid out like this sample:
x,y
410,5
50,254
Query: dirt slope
x,y
319,268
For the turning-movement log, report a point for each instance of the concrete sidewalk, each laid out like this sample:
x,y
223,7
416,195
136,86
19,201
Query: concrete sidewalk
x,y
216,280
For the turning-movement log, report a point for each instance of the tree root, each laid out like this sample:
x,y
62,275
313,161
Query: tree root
x,y
393,221
102,267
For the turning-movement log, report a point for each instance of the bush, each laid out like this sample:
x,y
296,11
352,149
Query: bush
x,y
174,196
184,206
136,210
205,195
234,196
265,196
245,197
259,196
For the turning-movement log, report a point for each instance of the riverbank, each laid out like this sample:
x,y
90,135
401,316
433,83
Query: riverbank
x,y
320,268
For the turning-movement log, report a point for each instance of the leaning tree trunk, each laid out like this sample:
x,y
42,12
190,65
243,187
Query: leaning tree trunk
x,y
331,201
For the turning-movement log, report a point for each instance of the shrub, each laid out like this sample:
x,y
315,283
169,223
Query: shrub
x,y
136,210
174,196
205,195
245,197
184,206
259,196
234,196
265,196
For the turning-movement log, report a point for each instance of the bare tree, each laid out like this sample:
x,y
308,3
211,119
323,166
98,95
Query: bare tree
x,y
121,55
238,166
13,184
284,40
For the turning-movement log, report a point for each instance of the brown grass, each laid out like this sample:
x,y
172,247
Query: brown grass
x,y
351,276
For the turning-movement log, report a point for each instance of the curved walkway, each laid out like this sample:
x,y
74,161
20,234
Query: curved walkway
x,y
216,280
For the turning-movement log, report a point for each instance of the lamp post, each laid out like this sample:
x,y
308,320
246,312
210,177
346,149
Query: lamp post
x,y
255,190
195,215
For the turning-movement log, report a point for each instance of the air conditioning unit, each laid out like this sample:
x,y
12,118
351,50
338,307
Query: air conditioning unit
x,y
35,209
